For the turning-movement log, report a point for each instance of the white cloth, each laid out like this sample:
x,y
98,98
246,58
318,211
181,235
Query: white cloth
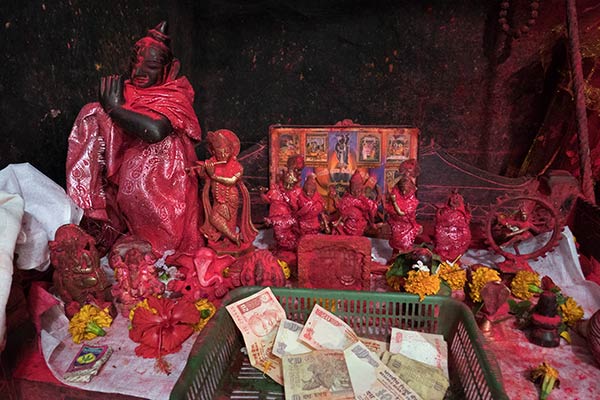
x,y
561,265
124,372
47,207
11,214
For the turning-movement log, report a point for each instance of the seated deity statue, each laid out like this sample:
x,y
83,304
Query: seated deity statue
x,y
129,153
356,210
310,209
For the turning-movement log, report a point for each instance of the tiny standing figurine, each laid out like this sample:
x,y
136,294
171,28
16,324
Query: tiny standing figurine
x,y
310,209
221,195
128,153
452,228
546,321
401,211
78,277
356,210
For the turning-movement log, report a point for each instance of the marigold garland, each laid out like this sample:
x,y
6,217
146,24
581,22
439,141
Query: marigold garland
x,y
422,283
571,311
88,323
453,275
395,282
479,278
519,286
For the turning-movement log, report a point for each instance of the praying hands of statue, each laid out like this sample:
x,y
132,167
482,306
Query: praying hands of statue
x,y
111,92
148,126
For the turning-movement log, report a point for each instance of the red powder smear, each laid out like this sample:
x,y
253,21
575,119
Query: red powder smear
x,y
516,356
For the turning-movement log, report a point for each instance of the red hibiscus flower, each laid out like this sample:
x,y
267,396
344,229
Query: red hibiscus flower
x,y
162,328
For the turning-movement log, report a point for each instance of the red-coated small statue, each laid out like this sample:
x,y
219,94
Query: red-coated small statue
x,y
310,209
357,211
545,321
78,277
401,212
280,197
128,153
225,228
452,228
135,273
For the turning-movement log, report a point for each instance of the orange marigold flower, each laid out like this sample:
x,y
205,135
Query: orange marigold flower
x,y
479,278
89,323
395,282
571,311
453,275
519,286
422,283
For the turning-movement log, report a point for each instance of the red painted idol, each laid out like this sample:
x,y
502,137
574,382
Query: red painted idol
x,y
128,153
224,190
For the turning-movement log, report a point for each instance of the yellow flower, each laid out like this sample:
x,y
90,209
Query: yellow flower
x,y
481,277
548,377
395,282
571,311
286,268
453,275
519,286
143,304
207,310
88,323
422,283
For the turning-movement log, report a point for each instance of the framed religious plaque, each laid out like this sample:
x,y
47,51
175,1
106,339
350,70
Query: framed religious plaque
x,y
334,153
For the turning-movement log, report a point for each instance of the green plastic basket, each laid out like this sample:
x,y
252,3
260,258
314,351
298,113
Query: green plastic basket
x,y
218,368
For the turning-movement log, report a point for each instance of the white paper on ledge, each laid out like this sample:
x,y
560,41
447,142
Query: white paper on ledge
x,y
561,265
124,372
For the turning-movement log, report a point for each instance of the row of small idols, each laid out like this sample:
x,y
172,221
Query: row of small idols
x,y
297,209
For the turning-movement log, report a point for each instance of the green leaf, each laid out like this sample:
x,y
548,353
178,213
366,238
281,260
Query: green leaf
x,y
445,290
519,308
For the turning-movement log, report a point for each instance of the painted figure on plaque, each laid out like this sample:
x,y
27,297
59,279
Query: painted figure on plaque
x,y
401,212
221,195
342,150
128,153
357,211
452,228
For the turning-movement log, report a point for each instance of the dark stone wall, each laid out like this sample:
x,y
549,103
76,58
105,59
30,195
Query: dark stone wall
x,y
438,65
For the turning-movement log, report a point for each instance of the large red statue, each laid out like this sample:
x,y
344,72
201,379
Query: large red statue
x,y
356,210
128,154
401,212
221,195
452,228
